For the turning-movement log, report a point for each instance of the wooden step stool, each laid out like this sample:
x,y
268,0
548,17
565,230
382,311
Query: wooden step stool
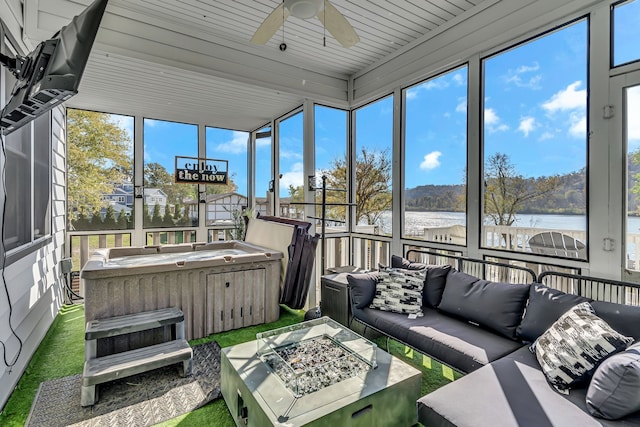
x,y
98,370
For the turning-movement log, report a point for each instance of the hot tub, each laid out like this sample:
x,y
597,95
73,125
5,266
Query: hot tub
x,y
219,286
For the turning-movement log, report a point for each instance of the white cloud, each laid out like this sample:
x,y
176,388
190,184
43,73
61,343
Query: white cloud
x,y
287,154
431,160
567,99
545,136
458,79
263,142
437,83
578,126
526,68
293,177
527,125
237,144
490,116
492,121
521,76
412,93
462,106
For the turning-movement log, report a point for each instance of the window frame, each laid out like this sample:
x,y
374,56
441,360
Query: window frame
x,y
33,243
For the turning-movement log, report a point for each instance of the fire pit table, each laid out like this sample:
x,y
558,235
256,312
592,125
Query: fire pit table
x,y
317,373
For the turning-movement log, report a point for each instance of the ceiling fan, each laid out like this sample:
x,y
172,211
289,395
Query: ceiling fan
x,y
331,18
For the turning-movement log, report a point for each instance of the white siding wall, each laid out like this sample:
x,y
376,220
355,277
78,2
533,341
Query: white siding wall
x,y
34,282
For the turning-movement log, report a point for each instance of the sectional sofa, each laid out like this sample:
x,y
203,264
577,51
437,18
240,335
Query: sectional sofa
x,y
498,333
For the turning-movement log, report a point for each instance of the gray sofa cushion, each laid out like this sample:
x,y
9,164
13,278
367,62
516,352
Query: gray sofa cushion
x,y
613,390
545,306
363,288
463,346
623,318
510,392
497,306
434,282
400,262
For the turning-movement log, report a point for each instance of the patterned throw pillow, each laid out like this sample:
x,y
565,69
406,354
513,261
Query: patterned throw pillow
x,y
571,349
399,291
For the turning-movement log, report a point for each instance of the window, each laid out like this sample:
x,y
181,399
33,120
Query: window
x,y
632,134
263,172
435,161
168,204
290,143
331,136
27,216
229,200
626,32
374,140
535,145
100,166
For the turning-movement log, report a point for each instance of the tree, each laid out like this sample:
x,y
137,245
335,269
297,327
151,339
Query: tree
x,y
122,221
156,216
167,219
109,222
99,156
373,185
506,191
157,176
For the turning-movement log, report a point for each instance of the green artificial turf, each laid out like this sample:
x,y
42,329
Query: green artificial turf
x,y
61,354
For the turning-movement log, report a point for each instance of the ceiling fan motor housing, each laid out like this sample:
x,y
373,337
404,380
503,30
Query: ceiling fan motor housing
x,y
304,9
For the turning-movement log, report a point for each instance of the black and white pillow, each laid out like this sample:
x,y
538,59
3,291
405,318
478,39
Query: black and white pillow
x,y
573,347
399,291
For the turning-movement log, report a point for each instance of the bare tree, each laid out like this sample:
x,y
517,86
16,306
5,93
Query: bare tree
x,y
506,191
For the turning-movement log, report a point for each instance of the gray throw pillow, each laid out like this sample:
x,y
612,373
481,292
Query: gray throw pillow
x,y
362,287
545,306
623,318
573,347
434,284
614,391
399,291
497,306
400,262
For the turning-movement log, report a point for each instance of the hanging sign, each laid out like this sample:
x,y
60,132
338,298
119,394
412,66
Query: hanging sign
x,y
194,170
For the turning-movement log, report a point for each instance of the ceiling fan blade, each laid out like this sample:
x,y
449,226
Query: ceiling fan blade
x,y
337,25
270,25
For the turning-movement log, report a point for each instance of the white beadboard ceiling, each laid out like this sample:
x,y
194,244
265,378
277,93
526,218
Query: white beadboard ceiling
x,y
192,61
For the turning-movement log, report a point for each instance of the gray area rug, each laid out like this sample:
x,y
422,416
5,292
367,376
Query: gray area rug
x,y
140,400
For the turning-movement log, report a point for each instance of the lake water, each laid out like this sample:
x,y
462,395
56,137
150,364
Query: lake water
x,y
415,222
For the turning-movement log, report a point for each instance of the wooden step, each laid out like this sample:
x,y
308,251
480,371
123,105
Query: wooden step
x,y
121,365
118,325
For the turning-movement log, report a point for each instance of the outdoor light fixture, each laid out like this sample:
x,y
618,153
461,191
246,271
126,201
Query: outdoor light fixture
x,y
202,196
138,191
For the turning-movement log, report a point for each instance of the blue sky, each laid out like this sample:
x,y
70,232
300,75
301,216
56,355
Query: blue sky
x,y
534,111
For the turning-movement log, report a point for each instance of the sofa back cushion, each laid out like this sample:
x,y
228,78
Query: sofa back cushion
x,y
623,318
545,306
497,306
400,262
362,287
434,281
434,284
